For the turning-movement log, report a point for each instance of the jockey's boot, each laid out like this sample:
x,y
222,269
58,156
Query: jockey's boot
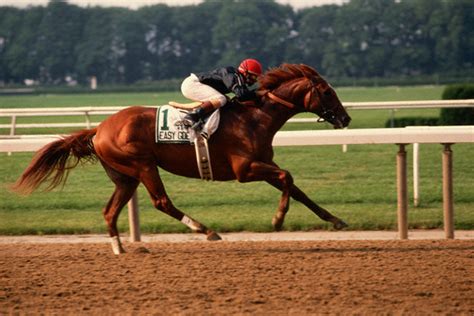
x,y
196,118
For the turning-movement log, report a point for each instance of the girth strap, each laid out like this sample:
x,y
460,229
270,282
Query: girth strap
x,y
203,158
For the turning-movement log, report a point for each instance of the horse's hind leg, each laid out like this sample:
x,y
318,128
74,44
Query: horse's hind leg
x,y
152,181
125,186
300,196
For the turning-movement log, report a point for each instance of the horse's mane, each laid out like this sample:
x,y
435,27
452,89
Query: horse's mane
x,y
286,72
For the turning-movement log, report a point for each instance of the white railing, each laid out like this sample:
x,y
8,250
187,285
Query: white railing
x,y
90,111
399,136
87,112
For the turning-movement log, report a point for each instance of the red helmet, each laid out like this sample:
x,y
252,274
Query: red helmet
x,y
250,65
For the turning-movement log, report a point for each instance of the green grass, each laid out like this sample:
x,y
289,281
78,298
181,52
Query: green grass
x,y
393,93
97,99
359,186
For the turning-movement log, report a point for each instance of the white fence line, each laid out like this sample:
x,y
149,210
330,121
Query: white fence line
x,y
399,136
435,134
89,111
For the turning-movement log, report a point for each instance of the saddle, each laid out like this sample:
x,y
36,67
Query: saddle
x,y
185,106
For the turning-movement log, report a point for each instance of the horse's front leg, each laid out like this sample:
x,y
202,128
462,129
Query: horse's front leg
x,y
300,196
258,171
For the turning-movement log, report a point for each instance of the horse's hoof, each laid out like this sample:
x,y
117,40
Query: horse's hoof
x,y
277,223
117,246
340,225
118,251
212,236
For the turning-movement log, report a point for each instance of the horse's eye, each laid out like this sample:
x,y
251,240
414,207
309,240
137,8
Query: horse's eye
x,y
327,93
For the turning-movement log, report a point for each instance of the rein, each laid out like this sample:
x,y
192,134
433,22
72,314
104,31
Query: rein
x,y
280,100
284,102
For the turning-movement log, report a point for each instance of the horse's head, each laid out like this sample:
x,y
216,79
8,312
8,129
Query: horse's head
x,y
323,100
301,88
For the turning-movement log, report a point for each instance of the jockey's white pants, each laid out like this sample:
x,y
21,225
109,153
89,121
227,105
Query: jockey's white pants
x,y
194,90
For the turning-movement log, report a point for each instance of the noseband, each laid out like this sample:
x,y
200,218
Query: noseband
x,y
326,115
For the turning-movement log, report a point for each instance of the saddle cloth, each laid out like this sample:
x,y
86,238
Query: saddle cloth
x,y
170,129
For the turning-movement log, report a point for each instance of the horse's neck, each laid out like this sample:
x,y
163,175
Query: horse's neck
x,y
291,93
274,116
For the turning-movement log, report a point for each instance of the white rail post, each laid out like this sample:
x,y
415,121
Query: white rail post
x,y
88,120
12,130
402,201
344,146
392,118
416,174
448,208
133,218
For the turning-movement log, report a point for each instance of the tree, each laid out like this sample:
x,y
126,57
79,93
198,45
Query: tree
x,y
160,32
95,56
59,32
22,55
129,46
278,27
316,36
362,38
10,20
178,39
452,32
239,32
194,37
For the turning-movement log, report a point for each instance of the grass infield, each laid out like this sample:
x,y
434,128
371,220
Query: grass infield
x,y
359,186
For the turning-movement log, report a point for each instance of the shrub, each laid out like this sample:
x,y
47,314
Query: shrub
x,y
457,116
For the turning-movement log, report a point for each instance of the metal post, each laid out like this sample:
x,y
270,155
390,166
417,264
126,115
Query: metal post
x,y
416,174
402,200
133,218
448,191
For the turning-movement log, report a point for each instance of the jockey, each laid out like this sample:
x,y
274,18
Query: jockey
x,y
211,87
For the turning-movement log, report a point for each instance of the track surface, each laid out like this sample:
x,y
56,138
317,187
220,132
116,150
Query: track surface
x,y
242,277
244,236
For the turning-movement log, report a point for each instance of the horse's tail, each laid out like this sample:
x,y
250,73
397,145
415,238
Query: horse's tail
x,y
51,163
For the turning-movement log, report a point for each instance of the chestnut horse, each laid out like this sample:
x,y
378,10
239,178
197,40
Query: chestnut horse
x,y
240,149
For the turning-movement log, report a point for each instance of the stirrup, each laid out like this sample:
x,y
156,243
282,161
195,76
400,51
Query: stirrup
x,y
187,122
195,125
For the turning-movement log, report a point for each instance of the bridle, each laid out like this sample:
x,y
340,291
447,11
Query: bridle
x,y
326,113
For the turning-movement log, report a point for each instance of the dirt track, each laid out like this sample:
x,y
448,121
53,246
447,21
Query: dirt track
x,y
271,277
